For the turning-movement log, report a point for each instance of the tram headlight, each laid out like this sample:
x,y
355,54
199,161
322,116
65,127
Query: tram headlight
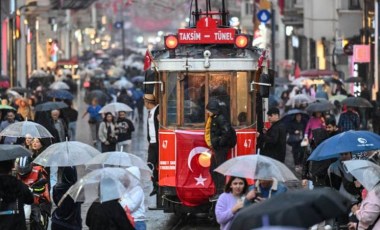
x,y
241,41
171,42
205,159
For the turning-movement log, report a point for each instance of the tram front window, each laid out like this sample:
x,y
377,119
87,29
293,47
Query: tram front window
x,y
194,99
220,88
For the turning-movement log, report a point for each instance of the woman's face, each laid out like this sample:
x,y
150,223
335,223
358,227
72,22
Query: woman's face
x,y
237,186
109,118
298,117
36,144
28,140
318,114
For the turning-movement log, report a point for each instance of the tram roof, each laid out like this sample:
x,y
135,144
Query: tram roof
x,y
223,58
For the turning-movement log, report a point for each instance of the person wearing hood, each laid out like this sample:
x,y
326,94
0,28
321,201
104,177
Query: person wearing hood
x,y
217,135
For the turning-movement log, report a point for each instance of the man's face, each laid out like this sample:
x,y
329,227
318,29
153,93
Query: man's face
x,y
273,118
330,128
266,183
122,114
55,115
345,156
11,117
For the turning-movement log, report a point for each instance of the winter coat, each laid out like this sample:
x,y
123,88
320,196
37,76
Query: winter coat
x,y
274,142
124,129
13,195
107,215
369,210
219,131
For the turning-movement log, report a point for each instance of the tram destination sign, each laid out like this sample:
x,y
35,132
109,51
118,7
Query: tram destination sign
x,y
206,32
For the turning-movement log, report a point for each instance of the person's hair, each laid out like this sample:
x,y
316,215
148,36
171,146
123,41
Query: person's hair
x,y
6,166
227,188
105,117
9,185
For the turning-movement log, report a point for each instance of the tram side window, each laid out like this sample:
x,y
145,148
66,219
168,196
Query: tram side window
x,y
219,88
172,99
194,99
242,99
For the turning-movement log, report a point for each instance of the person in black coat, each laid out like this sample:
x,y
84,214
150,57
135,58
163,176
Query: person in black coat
x,y
219,140
13,195
107,215
67,215
274,138
296,132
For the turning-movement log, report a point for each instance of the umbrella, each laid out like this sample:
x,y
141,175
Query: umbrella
x,y
122,83
318,73
290,115
60,94
358,102
302,208
339,97
138,79
10,152
102,185
50,105
349,141
21,90
6,107
115,107
256,167
121,159
59,85
98,94
366,172
21,129
354,80
38,73
68,153
13,94
320,106
299,99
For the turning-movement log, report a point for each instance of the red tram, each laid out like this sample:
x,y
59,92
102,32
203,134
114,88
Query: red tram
x,y
209,59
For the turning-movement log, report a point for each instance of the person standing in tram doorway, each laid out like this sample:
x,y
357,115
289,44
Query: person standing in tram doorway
x,y
217,136
153,125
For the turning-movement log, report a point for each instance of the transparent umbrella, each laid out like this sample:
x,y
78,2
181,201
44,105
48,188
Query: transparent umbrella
x,y
256,167
299,99
120,159
59,85
366,172
68,153
102,185
21,129
122,83
115,107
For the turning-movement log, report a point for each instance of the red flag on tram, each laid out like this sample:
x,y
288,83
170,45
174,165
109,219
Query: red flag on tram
x,y
193,178
297,71
147,60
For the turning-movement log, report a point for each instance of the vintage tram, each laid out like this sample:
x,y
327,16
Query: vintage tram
x,y
208,59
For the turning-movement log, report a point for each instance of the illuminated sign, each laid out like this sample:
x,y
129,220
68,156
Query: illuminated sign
x,y
362,54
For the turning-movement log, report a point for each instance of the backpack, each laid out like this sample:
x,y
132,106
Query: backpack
x,y
232,138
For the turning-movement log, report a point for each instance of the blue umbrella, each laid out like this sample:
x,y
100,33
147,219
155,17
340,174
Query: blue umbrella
x,y
60,94
138,79
349,141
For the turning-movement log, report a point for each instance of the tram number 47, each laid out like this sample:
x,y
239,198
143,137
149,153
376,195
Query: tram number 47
x,y
247,143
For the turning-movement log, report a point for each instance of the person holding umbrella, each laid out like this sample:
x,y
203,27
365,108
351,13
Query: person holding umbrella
x,y
4,124
95,118
106,133
349,120
124,129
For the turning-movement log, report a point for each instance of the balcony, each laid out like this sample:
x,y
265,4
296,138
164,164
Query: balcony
x,y
70,4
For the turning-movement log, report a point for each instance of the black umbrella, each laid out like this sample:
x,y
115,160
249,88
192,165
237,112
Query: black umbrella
x,y
358,102
290,115
302,208
353,80
20,90
98,94
48,106
320,106
10,152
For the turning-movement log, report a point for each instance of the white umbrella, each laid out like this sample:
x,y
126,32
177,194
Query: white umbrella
x,y
102,185
122,83
366,172
120,159
68,153
256,167
59,85
299,99
21,129
115,107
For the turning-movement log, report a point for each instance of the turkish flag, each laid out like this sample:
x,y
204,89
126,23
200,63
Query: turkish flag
x,y
147,60
297,71
194,182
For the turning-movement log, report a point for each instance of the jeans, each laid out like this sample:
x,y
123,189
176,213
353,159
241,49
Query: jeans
x,y
72,130
94,130
140,225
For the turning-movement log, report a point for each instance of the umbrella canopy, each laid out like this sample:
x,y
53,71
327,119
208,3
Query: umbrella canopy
x,y
115,107
318,73
60,94
21,129
366,172
289,116
120,159
10,152
102,185
122,83
138,79
320,106
358,102
299,99
38,74
349,141
13,94
68,153
2,107
59,85
48,106
21,90
98,94
354,80
256,167
302,208
339,97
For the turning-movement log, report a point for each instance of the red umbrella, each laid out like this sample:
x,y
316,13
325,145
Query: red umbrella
x,y
318,73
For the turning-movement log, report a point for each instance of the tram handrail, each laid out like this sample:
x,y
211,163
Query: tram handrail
x,y
258,83
155,82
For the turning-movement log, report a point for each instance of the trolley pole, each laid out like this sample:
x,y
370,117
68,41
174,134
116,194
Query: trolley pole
x,y
273,36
